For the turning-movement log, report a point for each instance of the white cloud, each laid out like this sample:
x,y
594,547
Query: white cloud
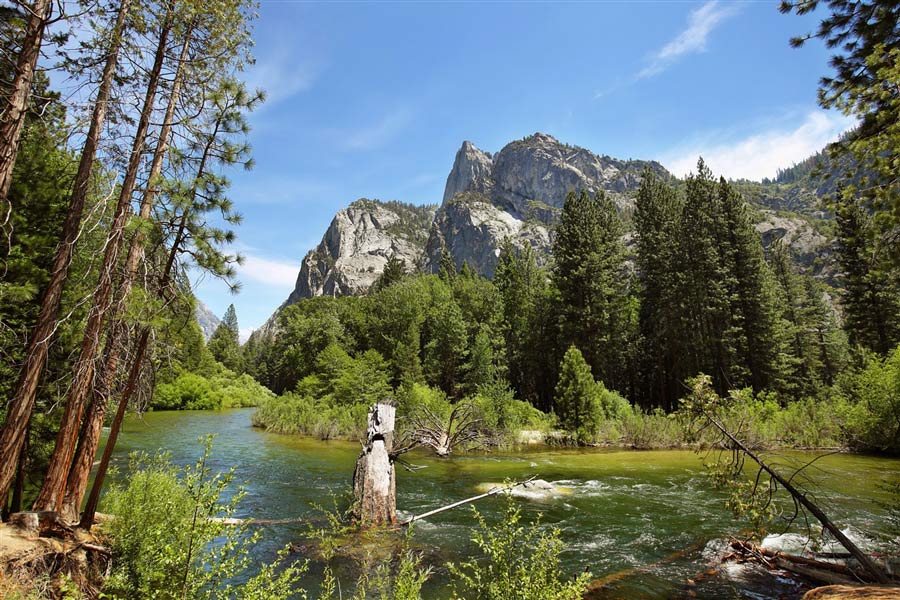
x,y
760,155
693,39
380,132
244,333
281,74
268,272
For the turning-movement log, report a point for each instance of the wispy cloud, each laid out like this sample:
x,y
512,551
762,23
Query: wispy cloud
x,y
378,133
701,23
267,271
281,73
760,155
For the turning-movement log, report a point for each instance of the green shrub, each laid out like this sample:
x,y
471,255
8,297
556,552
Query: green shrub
x,y
223,389
169,538
520,561
299,414
503,415
873,414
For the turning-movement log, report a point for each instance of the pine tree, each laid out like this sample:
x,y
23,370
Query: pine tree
x,y
752,295
22,402
216,142
871,286
657,224
446,349
576,402
224,343
394,271
593,284
15,105
864,36
528,326
447,271
480,369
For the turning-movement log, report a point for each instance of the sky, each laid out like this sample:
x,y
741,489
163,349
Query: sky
x,y
373,99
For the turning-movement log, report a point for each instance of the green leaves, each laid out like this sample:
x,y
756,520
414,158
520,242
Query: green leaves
x,y
521,562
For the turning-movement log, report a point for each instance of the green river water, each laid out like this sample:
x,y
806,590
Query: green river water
x,y
650,516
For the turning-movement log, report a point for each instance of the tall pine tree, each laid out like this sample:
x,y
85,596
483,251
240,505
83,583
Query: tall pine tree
x,y
593,284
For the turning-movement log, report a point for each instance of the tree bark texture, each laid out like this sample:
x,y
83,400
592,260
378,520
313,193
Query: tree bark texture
x,y
53,490
77,481
17,106
374,482
12,435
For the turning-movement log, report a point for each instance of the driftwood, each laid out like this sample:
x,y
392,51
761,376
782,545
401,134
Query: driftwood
x,y
844,592
490,492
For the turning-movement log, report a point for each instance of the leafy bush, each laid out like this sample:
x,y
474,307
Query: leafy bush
x,y
521,561
299,414
504,415
222,389
169,538
873,415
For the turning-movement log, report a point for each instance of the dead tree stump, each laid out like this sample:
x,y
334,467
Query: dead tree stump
x,y
374,483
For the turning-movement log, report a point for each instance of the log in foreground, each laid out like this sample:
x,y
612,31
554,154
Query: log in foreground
x,y
374,481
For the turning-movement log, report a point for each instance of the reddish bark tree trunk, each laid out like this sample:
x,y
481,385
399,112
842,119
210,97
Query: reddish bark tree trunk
x,y
53,490
11,127
90,509
22,403
77,481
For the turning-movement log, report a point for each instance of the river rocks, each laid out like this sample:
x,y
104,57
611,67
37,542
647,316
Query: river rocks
x,y
536,489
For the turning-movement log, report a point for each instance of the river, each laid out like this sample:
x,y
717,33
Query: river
x,y
627,509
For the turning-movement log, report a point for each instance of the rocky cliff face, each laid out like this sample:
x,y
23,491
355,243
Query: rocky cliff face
x,y
358,243
472,229
538,171
518,193
207,320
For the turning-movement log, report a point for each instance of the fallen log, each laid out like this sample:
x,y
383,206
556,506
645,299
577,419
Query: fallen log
x,y
490,492
764,553
812,573
846,592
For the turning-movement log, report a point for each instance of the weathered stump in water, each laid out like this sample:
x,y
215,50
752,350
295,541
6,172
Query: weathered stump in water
x,y
374,483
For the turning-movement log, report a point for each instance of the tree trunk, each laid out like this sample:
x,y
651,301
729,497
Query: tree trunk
x,y
51,495
90,509
374,483
17,107
77,481
22,403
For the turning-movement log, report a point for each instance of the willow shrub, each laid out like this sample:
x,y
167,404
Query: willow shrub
x,y
520,560
170,540
873,414
224,389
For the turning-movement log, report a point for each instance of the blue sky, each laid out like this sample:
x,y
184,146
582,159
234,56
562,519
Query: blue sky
x,y
374,99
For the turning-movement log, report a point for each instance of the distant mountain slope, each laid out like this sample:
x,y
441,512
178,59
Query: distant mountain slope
x,y
207,319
